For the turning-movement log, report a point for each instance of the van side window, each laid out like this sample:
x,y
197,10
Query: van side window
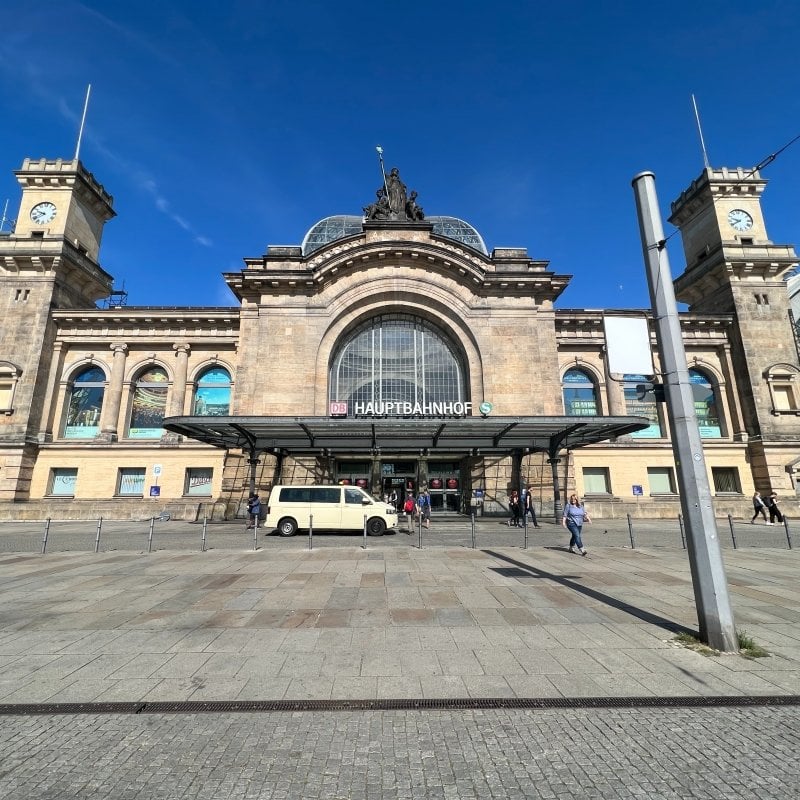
x,y
353,496
326,495
295,494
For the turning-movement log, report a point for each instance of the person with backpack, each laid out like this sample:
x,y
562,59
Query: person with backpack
x,y
774,511
424,503
253,511
410,509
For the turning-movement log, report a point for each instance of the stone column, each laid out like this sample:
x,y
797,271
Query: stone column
x,y
109,422
614,394
178,398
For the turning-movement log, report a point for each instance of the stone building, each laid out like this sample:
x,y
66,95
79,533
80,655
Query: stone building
x,y
390,350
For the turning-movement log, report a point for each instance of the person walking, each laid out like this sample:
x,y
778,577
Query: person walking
x,y
774,511
758,508
410,508
529,507
514,509
424,505
253,511
574,517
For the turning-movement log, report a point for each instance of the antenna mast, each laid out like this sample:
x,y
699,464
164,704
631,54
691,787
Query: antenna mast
x,y
83,121
700,132
4,219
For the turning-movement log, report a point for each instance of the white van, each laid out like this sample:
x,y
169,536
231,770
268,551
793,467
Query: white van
x,y
331,508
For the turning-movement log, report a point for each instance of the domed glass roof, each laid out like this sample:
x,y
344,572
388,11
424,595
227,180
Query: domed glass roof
x,y
338,227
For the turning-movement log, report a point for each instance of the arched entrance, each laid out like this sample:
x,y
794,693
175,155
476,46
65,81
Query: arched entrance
x,y
400,365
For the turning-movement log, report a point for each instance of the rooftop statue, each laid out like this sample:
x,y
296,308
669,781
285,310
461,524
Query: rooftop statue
x,y
393,203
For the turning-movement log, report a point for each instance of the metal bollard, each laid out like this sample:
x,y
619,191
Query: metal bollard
x,y
683,533
97,538
150,537
525,535
364,546
786,528
255,534
733,534
419,531
472,516
46,534
310,531
205,529
630,531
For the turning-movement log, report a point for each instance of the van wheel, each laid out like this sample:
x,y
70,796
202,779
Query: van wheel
x,y
376,527
287,527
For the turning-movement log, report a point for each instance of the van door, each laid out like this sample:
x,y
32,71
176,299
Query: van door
x,y
354,509
326,506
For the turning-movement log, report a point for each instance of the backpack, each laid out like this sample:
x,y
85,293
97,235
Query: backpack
x,y
408,505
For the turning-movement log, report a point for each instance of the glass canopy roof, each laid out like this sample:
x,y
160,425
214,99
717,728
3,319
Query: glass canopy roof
x,y
338,227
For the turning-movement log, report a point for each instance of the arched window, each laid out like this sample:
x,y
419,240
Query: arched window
x,y
580,395
640,401
705,405
9,377
212,398
395,362
149,404
85,404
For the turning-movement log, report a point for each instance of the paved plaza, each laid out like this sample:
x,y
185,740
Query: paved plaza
x,y
286,623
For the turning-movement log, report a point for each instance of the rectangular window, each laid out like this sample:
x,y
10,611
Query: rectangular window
x,y
661,480
198,481
596,480
784,398
5,395
62,481
726,480
131,481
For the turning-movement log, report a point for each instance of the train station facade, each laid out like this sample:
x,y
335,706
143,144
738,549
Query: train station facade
x,y
389,350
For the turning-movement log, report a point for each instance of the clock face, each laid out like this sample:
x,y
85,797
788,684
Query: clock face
x,y
740,220
42,213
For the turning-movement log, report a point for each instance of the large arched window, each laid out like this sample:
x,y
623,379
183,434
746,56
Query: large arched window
x,y
580,394
85,404
212,398
640,401
394,360
149,404
706,406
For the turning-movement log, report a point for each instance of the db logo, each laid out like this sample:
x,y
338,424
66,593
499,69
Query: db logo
x,y
338,409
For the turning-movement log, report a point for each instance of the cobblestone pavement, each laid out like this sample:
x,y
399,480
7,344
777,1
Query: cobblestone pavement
x,y
709,753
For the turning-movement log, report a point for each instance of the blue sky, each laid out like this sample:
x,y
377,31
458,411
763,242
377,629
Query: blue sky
x,y
220,128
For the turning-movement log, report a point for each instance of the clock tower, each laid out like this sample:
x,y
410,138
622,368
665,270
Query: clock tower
x,y
732,267
49,261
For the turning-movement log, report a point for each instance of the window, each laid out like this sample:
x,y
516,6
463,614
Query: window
x,y
396,359
661,480
726,480
130,482
580,395
149,404
355,496
596,480
640,401
198,481
9,375
84,404
212,397
705,405
782,381
62,481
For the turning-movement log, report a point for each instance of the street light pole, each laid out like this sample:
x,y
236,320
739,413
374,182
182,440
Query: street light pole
x,y
715,616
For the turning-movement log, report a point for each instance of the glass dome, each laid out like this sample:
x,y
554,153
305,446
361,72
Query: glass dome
x,y
338,227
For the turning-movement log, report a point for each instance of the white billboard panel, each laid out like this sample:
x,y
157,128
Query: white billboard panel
x,y
628,346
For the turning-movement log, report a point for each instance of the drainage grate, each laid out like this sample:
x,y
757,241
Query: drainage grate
x,y
454,703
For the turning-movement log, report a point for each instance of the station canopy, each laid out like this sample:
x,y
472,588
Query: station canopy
x,y
409,435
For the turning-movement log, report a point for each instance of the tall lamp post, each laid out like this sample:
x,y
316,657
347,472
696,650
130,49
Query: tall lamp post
x,y
715,616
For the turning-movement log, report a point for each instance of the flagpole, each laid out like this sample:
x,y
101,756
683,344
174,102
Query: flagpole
x,y
700,131
83,121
